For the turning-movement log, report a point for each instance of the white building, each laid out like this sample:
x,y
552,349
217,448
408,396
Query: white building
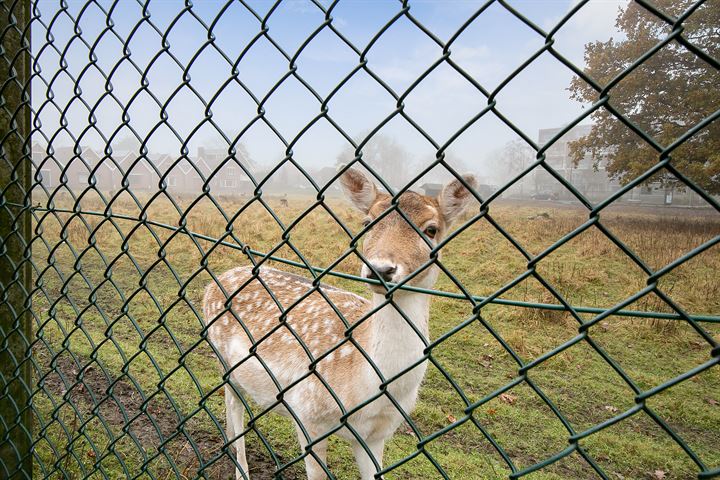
x,y
591,179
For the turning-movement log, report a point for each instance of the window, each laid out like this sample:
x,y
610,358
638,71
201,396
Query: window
x,y
136,180
46,177
230,183
558,149
231,171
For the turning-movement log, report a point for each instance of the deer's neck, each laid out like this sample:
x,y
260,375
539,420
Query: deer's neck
x,y
396,344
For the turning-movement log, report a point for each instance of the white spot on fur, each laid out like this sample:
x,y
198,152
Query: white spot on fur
x,y
237,348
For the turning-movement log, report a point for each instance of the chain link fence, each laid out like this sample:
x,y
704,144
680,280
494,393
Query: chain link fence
x,y
105,354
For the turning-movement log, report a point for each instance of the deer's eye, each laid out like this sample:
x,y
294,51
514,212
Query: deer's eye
x,y
366,222
431,231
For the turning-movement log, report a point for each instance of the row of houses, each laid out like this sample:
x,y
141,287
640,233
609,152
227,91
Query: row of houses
x,y
228,174
79,169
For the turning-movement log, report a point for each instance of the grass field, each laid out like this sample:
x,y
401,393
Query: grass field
x,y
116,313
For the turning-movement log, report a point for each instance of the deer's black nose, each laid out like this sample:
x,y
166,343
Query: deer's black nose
x,y
384,270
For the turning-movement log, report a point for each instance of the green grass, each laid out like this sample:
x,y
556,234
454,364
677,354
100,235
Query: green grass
x,y
131,330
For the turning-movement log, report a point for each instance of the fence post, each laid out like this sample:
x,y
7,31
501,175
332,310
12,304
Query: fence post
x,y
15,228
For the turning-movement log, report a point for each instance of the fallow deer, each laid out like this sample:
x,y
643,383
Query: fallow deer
x,y
240,314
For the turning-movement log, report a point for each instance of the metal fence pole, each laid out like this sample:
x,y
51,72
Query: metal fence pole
x,y
15,228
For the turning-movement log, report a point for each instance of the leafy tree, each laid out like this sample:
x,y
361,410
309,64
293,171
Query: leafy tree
x,y
666,96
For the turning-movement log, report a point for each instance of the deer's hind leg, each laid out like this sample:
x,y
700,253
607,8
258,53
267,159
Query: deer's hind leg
x,y
235,413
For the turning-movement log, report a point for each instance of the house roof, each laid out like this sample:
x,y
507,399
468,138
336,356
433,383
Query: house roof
x,y
204,163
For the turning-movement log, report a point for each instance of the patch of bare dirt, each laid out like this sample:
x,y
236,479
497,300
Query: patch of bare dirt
x,y
153,424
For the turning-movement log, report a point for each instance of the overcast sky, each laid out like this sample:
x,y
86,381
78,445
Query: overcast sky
x,y
493,46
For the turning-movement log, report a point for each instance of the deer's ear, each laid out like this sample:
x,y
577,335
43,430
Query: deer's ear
x,y
359,189
455,198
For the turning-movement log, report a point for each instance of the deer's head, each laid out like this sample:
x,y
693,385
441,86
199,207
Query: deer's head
x,y
392,246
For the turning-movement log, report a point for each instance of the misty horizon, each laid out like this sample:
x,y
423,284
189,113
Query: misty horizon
x,y
196,101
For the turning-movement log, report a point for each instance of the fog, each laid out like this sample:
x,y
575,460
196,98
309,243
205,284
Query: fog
x,y
277,95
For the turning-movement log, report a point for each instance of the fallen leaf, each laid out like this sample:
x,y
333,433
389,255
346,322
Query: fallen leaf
x,y
508,398
491,411
611,409
91,454
658,475
486,360
713,402
620,476
451,418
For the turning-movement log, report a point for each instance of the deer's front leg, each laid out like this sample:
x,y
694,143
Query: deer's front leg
x,y
365,463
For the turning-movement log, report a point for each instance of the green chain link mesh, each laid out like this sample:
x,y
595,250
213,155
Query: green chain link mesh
x,y
89,399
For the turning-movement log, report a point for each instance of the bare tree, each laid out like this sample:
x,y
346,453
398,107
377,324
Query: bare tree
x,y
440,174
387,157
127,143
512,158
217,143
515,156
